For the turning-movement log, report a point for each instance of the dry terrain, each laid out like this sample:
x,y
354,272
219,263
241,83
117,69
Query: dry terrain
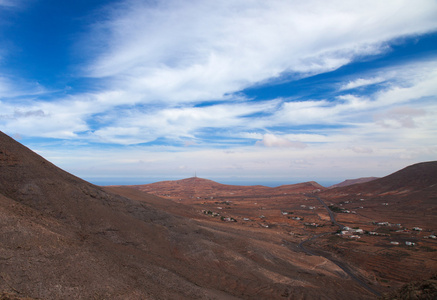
x,y
392,220
64,238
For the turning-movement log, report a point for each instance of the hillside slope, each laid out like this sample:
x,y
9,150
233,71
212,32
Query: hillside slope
x,y
348,182
63,238
199,187
402,196
417,177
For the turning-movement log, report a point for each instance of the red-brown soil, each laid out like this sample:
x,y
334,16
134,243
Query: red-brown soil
x,y
348,182
407,197
63,238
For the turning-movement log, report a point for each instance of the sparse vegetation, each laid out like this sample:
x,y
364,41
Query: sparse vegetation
x,y
336,208
418,290
99,230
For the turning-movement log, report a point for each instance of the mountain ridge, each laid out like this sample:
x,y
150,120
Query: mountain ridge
x,y
352,181
70,239
200,187
417,176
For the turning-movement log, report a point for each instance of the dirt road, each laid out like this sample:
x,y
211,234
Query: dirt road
x,y
347,269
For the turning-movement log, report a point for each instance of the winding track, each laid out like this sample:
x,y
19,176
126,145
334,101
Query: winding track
x,y
328,256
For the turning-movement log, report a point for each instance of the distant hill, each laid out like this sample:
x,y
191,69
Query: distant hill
x,y
417,177
399,197
64,238
195,187
352,181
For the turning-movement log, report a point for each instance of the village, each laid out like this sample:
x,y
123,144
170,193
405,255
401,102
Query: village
x,y
392,234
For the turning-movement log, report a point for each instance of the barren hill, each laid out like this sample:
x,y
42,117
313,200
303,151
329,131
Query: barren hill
x,y
353,181
194,187
400,211
63,238
405,195
414,178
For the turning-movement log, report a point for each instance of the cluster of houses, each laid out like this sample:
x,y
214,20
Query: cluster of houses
x,y
228,219
406,243
341,209
285,213
377,233
312,224
386,224
352,233
309,207
210,213
215,214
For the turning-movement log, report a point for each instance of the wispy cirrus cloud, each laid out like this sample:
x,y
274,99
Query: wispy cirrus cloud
x,y
176,123
9,3
271,140
201,50
401,116
159,76
91,117
360,82
412,83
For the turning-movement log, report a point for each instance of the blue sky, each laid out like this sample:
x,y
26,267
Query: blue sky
x,y
242,92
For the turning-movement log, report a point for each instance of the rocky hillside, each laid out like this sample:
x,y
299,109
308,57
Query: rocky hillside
x,y
63,238
348,182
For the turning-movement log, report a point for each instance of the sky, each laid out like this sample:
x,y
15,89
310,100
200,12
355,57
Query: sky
x,y
240,92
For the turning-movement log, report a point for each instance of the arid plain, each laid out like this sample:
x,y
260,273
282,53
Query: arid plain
x,y
64,238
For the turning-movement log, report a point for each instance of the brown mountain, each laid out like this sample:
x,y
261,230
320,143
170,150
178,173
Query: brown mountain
x,y
64,238
400,210
352,181
191,188
405,195
416,177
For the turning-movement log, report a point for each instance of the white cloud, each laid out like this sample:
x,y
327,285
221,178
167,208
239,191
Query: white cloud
x,y
358,149
318,162
12,87
360,82
410,84
182,51
271,140
140,126
402,116
63,119
9,3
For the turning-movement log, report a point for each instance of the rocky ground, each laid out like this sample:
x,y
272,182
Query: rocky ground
x,y
63,238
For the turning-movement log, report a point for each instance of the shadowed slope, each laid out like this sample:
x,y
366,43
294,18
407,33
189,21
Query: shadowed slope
x,y
72,239
63,238
348,182
417,177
